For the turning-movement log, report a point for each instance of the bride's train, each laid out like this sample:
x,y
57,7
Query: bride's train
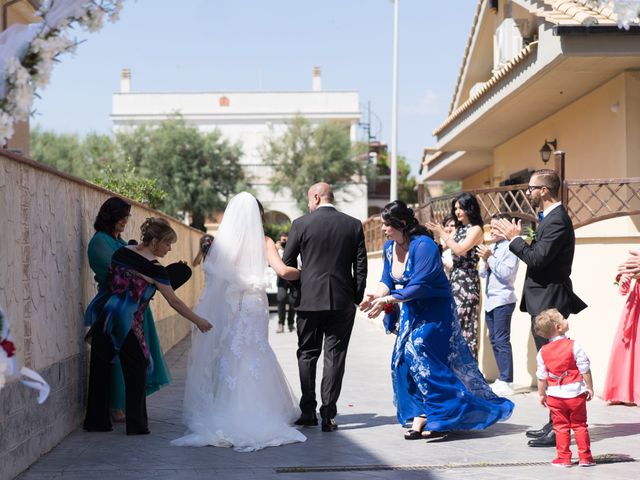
x,y
236,393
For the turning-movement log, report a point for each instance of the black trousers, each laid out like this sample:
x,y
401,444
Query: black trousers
x,y
333,327
285,298
134,369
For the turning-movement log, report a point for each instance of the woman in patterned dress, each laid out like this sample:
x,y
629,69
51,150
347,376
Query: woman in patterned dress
x,y
464,277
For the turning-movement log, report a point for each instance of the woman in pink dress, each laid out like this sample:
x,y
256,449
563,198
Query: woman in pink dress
x,y
622,384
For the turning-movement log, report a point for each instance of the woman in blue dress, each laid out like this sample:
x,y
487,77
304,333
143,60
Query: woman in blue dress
x,y
116,316
436,382
110,223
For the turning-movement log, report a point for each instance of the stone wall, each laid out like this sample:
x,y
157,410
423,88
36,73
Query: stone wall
x,y
46,221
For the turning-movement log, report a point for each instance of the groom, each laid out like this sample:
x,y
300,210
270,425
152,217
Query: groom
x,y
334,273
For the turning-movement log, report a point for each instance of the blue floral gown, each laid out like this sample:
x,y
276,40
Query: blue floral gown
x,y
432,369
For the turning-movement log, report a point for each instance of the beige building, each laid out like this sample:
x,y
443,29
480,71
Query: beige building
x,y
555,70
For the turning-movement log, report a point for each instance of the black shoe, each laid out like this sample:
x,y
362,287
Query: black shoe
x,y
329,424
307,420
548,440
540,432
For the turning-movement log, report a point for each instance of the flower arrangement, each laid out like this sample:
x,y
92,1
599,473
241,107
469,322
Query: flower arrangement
x,y
28,52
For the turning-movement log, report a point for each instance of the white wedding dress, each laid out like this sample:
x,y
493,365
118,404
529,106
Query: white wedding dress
x,y
236,394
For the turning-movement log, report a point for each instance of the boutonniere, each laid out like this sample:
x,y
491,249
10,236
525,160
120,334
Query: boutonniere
x,y
530,234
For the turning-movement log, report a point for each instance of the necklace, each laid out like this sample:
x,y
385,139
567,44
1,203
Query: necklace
x,y
402,246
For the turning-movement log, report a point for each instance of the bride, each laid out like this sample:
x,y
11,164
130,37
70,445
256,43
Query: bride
x,y
236,394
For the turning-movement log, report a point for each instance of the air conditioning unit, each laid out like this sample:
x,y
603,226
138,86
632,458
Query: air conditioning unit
x,y
507,43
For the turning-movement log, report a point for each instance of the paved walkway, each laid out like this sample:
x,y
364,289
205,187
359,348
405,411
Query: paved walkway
x,y
367,444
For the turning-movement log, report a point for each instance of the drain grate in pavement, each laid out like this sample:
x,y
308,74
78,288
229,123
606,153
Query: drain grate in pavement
x,y
600,459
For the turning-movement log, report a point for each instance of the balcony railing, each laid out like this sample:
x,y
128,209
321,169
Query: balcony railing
x,y
587,201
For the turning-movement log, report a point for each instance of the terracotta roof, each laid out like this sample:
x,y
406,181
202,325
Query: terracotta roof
x,y
509,66
577,12
558,12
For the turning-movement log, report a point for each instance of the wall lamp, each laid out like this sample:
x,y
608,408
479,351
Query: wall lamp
x,y
547,149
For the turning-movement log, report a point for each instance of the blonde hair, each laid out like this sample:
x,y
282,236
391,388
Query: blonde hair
x,y
547,321
155,228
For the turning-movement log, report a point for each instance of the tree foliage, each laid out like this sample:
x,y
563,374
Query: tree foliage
x,y
65,152
198,171
407,187
172,167
307,154
130,184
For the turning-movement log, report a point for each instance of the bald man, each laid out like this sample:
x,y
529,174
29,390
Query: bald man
x,y
334,272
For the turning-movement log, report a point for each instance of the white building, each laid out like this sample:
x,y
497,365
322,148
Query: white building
x,y
249,118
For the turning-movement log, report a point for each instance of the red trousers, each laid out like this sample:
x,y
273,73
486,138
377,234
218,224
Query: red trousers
x,y
570,414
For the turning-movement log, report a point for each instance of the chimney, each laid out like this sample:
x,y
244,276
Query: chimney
x,y
125,81
316,83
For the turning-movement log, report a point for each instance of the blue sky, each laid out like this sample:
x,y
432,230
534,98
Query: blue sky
x,y
249,45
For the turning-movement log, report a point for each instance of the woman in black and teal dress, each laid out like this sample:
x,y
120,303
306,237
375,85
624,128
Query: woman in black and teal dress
x,y
464,276
109,225
117,318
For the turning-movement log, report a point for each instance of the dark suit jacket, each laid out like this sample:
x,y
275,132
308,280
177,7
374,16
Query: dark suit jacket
x,y
549,258
334,259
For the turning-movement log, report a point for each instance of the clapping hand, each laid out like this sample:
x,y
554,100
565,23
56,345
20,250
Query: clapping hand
x,y
436,228
484,251
631,266
508,229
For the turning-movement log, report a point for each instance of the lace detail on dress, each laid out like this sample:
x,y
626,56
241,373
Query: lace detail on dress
x,y
234,375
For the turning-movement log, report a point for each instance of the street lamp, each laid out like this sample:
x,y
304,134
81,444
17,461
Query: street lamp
x,y
547,149
393,188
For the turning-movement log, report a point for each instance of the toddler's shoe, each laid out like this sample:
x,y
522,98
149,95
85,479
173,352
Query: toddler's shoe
x,y
587,462
557,462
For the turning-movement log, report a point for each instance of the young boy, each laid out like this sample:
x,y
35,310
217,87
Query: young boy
x,y
565,386
499,270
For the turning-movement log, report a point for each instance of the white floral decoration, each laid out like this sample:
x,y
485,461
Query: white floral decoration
x,y
28,52
10,368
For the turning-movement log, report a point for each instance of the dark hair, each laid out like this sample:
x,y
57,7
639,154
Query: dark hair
x,y
502,216
550,179
447,218
470,206
205,244
401,217
261,208
111,212
157,229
